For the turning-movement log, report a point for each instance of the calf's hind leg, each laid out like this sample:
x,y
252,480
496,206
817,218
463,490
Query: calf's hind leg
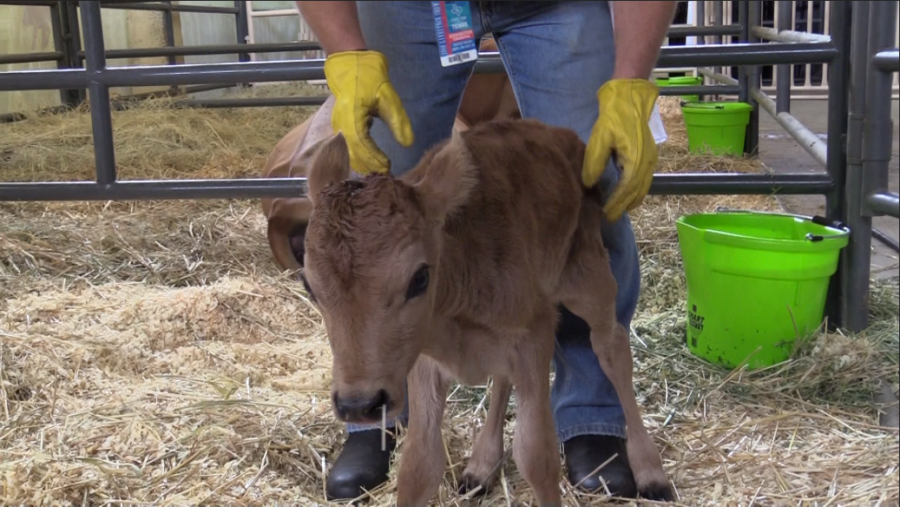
x,y
591,295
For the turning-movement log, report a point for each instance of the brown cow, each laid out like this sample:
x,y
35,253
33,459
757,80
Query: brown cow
x,y
486,97
454,271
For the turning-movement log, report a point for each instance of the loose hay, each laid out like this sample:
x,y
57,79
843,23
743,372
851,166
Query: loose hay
x,y
151,353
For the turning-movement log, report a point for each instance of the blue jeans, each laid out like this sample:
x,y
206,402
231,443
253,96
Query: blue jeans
x,y
557,54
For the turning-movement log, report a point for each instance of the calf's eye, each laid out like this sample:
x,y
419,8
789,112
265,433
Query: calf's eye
x,y
419,283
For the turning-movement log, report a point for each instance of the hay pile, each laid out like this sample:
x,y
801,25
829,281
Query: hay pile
x,y
151,353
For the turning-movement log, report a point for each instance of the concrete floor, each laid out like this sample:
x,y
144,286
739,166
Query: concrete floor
x,y
779,151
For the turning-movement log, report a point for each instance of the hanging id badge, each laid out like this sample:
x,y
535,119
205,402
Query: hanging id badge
x,y
455,37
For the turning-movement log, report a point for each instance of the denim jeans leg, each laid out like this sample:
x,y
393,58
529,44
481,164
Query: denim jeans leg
x,y
404,32
557,57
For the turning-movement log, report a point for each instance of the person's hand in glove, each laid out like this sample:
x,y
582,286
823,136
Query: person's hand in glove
x,y
361,88
623,129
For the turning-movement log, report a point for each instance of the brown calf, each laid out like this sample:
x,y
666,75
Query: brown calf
x,y
486,97
454,271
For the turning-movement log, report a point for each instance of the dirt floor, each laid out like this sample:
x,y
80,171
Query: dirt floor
x,y
781,153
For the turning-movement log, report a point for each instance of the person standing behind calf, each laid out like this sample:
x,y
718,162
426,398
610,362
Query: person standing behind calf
x,y
395,99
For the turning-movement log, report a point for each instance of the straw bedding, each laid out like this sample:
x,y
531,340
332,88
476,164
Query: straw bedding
x,y
150,353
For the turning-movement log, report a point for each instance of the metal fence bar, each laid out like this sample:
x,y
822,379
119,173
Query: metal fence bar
x,y
697,31
663,184
169,29
66,97
253,102
118,104
131,6
836,157
73,37
804,137
101,114
783,75
43,3
887,240
779,35
668,91
701,21
855,258
888,60
878,126
718,12
838,85
884,203
750,17
242,26
287,70
219,49
51,56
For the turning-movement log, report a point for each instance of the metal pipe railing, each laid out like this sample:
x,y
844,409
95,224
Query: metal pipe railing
x,y
887,60
778,35
750,79
804,137
701,31
303,70
884,203
869,138
836,161
148,6
220,49
783,75
663,184
854,264
887,240
877,125
52,56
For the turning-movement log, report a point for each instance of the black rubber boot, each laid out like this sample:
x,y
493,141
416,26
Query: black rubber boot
x,y
362,465
587,452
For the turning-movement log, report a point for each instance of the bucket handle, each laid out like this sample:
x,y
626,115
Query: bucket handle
x,y
816,219
684,103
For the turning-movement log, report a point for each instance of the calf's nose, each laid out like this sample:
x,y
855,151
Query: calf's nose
x,y
361,408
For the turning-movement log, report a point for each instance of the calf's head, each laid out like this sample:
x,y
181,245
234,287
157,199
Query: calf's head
x,y
371,264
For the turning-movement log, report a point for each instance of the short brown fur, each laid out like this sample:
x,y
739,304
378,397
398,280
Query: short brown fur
x,y
486,97
498,219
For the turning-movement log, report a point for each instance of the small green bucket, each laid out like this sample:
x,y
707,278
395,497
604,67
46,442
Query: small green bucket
x,y
717,127
755,281
687,81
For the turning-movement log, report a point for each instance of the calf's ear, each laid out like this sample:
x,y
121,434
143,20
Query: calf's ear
x,y
449,180
331,164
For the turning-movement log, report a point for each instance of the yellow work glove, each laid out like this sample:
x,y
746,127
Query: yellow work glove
x,y
361,88
623,128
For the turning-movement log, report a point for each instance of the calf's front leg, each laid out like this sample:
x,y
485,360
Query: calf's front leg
x,y
488,449
422,460
535,446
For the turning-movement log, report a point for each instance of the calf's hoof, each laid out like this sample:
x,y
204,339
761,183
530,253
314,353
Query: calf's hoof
x,y
362,465
469,482
587,452
659,492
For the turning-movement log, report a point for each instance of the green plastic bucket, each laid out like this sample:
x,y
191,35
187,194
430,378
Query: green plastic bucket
x,y
755,280
717,127
687,81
